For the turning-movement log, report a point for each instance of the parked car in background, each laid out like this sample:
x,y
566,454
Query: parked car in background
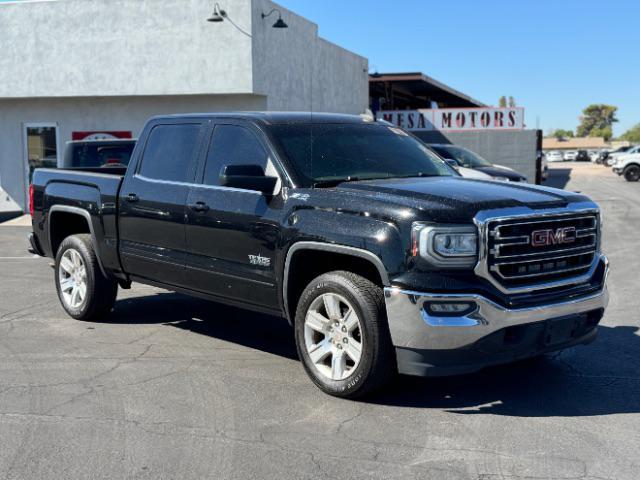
x,y
611,159
467,159
604,155
628,166
570,155
583,156
469,172
544,166
554,156
98,153
593,154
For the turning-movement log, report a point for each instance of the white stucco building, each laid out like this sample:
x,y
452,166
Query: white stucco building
x,y
70,67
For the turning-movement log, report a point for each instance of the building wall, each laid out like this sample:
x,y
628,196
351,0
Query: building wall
x,y
89,114
298,70
77,48
81,48
515,149
110,64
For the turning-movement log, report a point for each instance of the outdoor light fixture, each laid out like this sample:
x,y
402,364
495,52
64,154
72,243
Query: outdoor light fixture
x,y
218,14
279,23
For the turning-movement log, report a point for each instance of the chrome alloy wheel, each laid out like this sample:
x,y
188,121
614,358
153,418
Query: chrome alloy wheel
x,y
72,277
333,336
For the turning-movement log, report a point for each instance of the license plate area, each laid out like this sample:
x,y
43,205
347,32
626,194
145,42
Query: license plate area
x,y
562,330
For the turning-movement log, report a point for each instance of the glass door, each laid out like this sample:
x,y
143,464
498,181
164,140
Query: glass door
x,y
41,146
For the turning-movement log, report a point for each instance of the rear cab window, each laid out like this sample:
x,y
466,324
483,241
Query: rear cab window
x,y
98,154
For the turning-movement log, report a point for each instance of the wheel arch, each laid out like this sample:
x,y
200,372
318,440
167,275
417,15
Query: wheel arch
x,y
364,261
84,225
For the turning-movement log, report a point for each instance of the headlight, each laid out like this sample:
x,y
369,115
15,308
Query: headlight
x,y
446,245
455,244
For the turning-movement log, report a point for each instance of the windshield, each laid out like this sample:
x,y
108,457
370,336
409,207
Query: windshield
x,y
326,153
464,157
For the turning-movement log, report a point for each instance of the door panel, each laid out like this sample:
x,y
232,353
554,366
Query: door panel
x,y
152,234
231,245
232,233
153,201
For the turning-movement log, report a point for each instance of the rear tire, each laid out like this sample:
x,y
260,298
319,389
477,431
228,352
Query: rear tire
x,y
632,173
83,290
342,335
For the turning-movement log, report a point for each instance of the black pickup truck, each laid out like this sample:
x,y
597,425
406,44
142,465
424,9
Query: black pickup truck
x,y
380,256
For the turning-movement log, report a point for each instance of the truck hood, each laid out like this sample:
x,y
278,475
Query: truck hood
x,y
455,198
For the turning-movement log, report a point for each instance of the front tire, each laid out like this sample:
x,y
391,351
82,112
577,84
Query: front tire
x,y
83,290
342,335
632,173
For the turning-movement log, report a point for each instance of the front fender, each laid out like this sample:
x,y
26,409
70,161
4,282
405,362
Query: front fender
x,y
383,239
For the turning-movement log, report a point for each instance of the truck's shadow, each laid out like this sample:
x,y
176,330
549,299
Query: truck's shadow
x,y
253,330
600,379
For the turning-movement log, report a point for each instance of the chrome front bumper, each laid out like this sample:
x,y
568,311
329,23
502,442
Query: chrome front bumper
x,y
412,325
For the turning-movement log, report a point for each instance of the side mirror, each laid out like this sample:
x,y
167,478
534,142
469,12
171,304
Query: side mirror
x,y
452,163
247,177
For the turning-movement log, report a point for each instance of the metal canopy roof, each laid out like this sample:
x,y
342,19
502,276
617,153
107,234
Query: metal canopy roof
x,y
416,90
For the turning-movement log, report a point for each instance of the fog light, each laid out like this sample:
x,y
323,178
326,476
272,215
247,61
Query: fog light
x,y
450,308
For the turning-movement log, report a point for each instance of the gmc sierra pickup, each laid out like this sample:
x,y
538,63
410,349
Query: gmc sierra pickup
x,y
381,257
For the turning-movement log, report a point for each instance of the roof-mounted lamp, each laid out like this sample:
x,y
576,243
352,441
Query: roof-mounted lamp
x,y
279,23
218,14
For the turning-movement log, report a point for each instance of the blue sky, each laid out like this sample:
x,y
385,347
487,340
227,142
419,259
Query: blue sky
x,y
554,57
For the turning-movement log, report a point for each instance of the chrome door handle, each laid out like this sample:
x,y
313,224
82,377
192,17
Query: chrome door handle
x,y
199,207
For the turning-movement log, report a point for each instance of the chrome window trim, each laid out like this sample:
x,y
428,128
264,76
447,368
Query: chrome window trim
x,y
196,185
482,219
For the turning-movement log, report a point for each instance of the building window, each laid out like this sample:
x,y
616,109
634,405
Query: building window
x,y
41,146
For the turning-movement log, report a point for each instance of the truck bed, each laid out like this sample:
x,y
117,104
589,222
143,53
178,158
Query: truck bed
x,y
93,192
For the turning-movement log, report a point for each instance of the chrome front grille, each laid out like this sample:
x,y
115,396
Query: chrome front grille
x,y
524,250
546,249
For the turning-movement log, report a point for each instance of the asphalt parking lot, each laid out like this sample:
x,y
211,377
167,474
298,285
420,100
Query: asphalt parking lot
x,y
175,388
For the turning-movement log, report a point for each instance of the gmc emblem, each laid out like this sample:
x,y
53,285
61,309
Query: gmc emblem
x,y
543,238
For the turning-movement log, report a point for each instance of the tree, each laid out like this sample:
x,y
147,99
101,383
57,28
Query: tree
x,y
597,118
512,102
502,103
605,133
632,135
560,133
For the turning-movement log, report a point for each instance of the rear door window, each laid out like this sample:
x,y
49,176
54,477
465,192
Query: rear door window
x,y
169,152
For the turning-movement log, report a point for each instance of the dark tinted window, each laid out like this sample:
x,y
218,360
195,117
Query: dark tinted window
x,y
232,145
333,152
98,154
169,152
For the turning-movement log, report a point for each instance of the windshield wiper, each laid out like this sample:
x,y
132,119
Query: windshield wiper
x,y
419,174
333,182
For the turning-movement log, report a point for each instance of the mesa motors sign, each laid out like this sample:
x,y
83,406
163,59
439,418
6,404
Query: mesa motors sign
x,y
456,119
